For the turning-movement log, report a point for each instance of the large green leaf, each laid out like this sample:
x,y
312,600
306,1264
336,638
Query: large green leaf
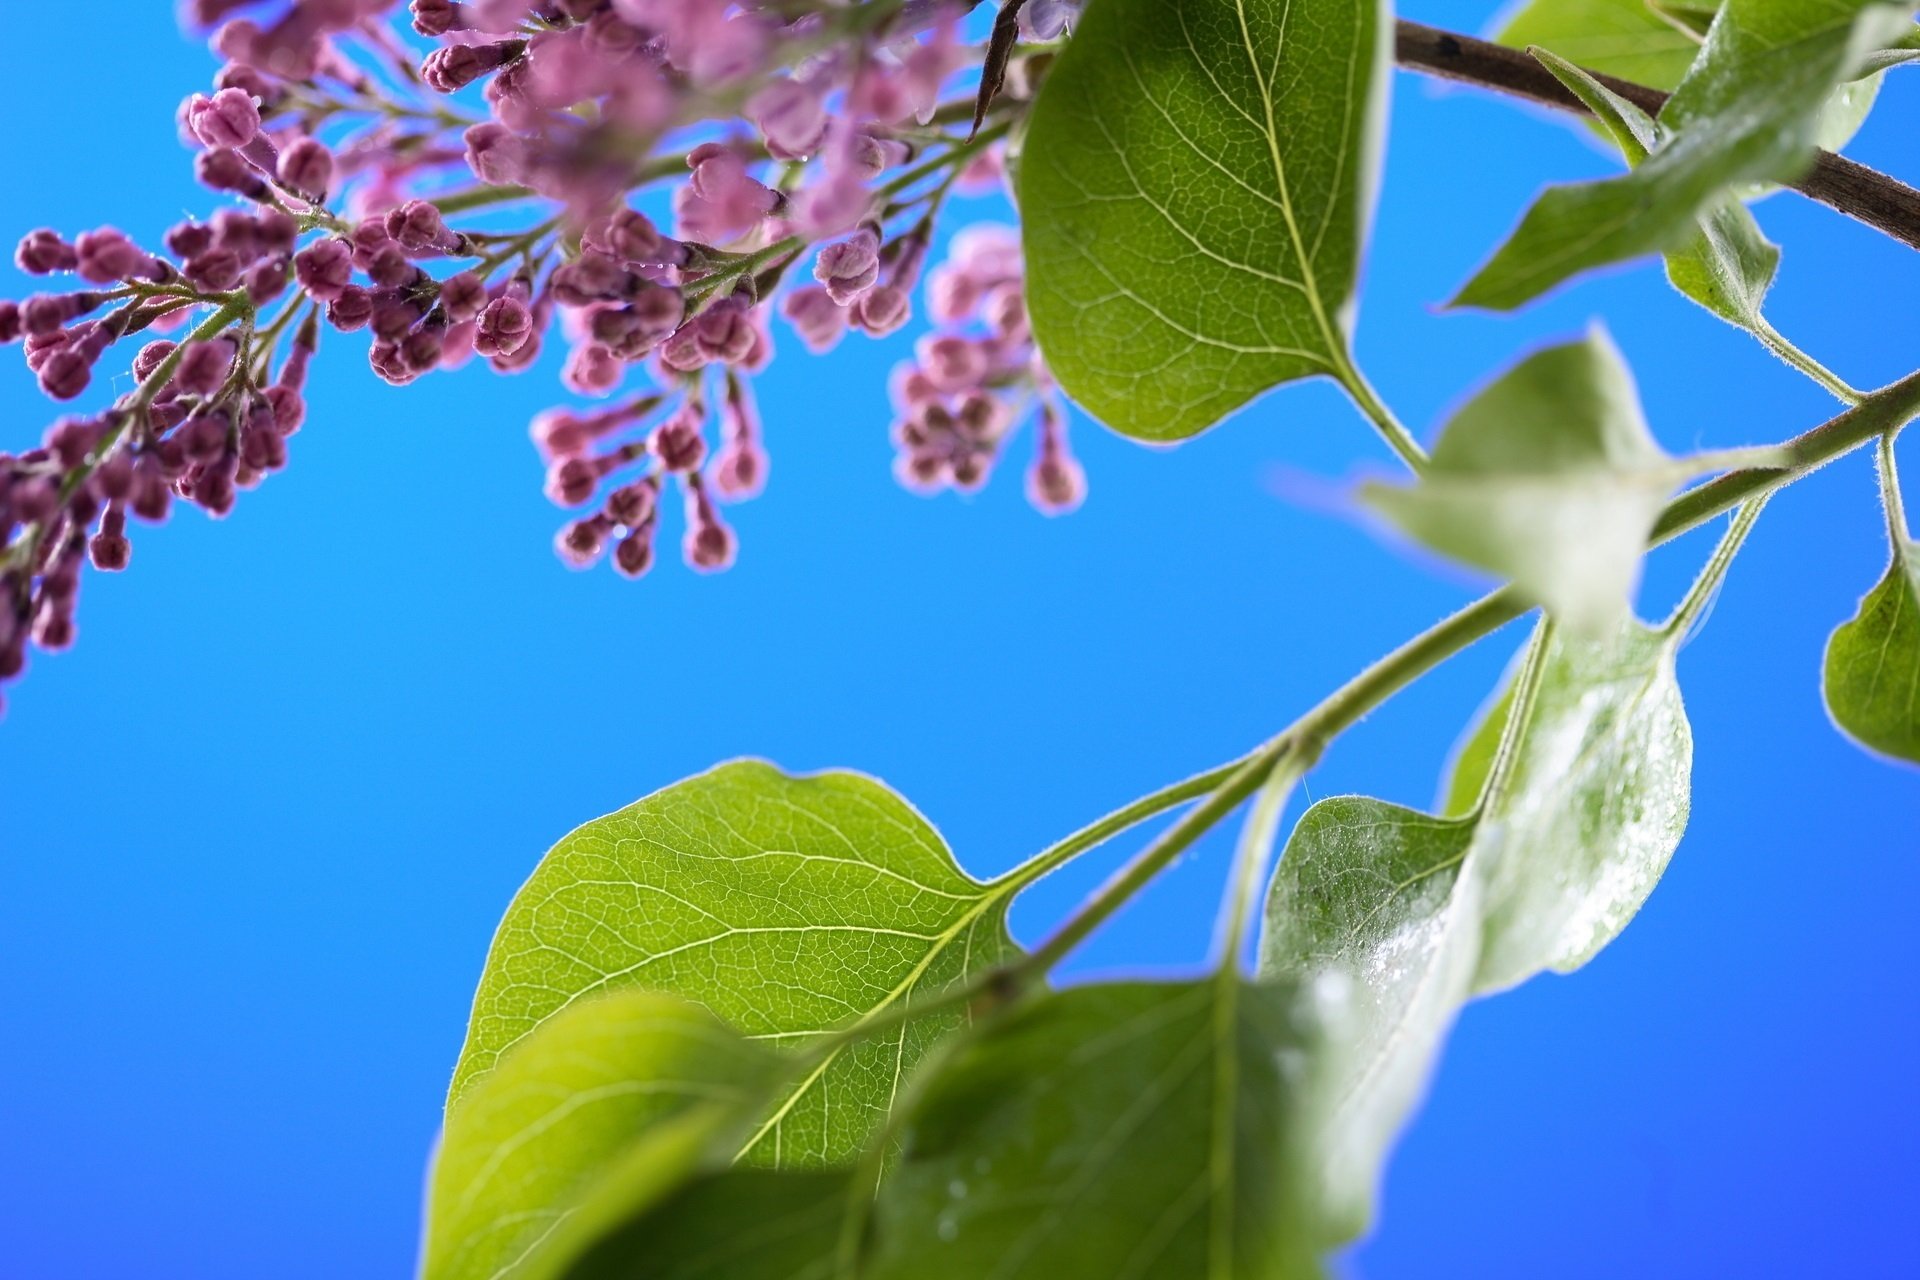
x,y
1749,111
1195,189
610,1105
1872,680
1124,1132
1408,914
1549,477
785,905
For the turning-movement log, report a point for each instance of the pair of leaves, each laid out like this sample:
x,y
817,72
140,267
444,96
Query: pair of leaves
x,y
1872,677
1748,111
1405,915
1549,477
1195,188
785,905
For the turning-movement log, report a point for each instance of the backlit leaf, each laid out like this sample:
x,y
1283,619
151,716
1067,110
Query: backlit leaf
x,y
740,1224
1409,915
1624,38
1195,188
1548,477
609,1105
1872,680
785,905
1125,1131
1749,111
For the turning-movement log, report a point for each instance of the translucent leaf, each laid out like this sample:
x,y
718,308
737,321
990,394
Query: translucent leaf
x,y
1749,111
610,1105
1195,188
1131,1130
1407,915
785,905
1624,38
1548,477
1872,683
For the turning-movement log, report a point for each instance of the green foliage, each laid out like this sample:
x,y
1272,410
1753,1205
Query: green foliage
x,y
785,905
1195,187
608,1106
1872,680
1410,914
1549,477
1126,1130
1625,38
1748,111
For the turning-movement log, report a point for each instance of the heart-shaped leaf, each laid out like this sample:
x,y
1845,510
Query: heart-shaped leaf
x,y
1872,680
787,906
1407,915
1195,188
609,1105
1749,111
1128,1130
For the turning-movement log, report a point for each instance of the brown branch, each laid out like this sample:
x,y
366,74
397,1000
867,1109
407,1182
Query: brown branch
x,y
1865,195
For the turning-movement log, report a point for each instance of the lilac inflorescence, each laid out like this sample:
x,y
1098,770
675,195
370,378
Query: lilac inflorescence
x,y
648,182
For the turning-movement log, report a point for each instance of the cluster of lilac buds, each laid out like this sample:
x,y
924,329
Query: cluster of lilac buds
x,y
647,182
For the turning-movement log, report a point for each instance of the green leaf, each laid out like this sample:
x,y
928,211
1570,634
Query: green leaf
x,y
1548,477
787,906
610,1105
1126,1131
1195,189
1872,682
1473,759
1748,112
1624,38
1408,915
743,1224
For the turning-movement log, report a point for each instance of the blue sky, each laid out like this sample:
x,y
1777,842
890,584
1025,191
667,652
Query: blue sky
x,y
255,830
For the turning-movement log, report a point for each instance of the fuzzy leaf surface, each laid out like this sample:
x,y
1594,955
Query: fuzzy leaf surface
x,y
1872,679
1409,915
1195,189
785,905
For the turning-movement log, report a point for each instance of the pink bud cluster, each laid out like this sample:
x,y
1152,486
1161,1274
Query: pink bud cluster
x,y
644,182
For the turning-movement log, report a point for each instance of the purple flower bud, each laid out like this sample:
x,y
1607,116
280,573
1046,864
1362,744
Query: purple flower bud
x,y
109,549
68,371
34,499
214,488
882,310
592,370
496,154
851,267
203,367
633,505
634,556
107,255
228,119
306,166
709,545
463,297
268,280
505,327
451,69
151,496
11,324
216,270
391,269
351,310
582,542
418,227
394,316
678,444
225,170
114,477
151,357
816,317
436,17
324,268
189,239
45,313
43,252
71,440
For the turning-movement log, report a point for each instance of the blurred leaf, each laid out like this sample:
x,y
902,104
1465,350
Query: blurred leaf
x,y
1126,1130
1406,915
1473,759
1195,191
741,1224
1749,111
1872,683
785,905
1548,477
609,1106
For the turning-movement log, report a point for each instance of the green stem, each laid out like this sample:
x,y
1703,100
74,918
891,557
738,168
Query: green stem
x,y
1715,570
1897,528
1526,691
1835,385
1391,429
480,198
1251,861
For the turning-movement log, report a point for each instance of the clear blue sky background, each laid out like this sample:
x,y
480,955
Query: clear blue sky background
x,y
256,829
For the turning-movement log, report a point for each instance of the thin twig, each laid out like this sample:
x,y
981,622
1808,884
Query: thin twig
x,y
1865,195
